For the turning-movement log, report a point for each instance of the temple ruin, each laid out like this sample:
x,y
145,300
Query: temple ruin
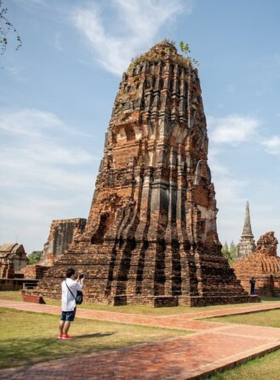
x,y
12,259
62,234
151,235
263,264
246,245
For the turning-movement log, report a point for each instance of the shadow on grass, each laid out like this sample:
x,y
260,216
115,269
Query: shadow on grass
x,y
97,335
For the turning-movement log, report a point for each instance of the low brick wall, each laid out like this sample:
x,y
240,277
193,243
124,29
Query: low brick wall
x,y
35,271
15,284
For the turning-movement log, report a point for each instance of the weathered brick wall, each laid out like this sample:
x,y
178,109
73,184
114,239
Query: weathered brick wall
x,y
34,271
62,234
151,236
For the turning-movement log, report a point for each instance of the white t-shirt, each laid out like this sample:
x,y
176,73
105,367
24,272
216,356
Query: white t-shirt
x,y
68,302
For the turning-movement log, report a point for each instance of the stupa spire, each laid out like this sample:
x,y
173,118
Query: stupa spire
x,y
246,244
247,229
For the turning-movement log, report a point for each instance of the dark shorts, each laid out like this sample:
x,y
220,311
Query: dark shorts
x,y
68,316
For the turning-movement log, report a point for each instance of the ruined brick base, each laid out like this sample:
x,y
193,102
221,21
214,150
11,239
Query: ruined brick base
x,y
183,301
118,277
267,285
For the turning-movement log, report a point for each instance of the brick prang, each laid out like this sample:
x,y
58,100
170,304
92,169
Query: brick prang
x,y
151,235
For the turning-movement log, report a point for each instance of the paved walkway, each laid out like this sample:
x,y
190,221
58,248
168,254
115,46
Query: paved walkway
x,y
213,346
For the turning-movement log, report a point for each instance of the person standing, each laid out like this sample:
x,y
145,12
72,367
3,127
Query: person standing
x,y
252,284
69,288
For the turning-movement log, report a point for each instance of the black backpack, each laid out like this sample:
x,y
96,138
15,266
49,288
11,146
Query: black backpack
x,y
80,297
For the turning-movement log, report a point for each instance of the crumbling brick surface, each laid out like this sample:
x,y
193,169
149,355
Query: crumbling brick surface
x,y
62,234
263,264
151,236
34,271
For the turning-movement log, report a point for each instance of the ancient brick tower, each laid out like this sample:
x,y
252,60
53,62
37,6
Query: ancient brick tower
x,y
246,244
151,235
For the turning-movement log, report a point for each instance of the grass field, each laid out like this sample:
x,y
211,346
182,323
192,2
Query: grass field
x,y
264,368
144,310
27,338
264,318
32,338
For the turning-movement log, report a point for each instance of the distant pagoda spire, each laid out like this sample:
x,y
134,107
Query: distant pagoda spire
x,y
247,229
246,244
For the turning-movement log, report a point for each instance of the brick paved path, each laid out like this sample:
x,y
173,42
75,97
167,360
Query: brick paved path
x,y
213,346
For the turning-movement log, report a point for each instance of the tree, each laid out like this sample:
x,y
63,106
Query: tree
x,y
186,50
233,250
34,257
5,28
229,251
225,250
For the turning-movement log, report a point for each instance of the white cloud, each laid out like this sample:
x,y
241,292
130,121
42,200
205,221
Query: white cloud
x,y
28,122
216,165
272,146
229,190
44,174
232,129
57,42
233,184
33,123
27,217
135,26
38,155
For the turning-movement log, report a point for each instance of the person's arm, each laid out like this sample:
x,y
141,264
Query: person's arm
x,y
78,284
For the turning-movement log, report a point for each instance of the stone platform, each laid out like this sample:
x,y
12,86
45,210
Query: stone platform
x,y
189,357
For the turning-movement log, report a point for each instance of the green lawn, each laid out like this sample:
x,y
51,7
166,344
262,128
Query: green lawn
x,y
264,318
264,368
32,338
27,338
144,310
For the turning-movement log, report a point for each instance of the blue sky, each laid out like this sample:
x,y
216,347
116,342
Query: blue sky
x,y
57,94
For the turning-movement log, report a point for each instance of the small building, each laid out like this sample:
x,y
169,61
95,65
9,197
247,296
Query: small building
x,y
246,244
12,259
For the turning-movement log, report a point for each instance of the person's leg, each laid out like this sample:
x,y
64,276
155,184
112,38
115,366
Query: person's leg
x,y
61,327
69,317
66,327
61,323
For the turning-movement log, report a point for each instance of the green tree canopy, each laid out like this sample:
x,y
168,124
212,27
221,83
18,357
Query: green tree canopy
x,y
230,252
34,257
